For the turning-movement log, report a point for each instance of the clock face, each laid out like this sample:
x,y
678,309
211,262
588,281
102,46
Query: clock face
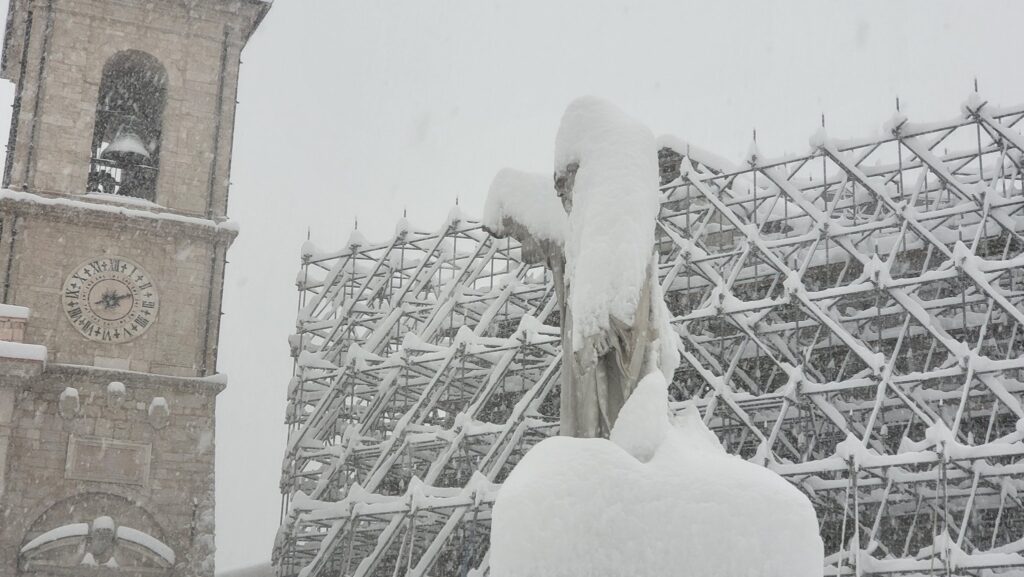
x,y
110,299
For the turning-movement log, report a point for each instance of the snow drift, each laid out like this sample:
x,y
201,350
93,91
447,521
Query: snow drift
x,y
659,499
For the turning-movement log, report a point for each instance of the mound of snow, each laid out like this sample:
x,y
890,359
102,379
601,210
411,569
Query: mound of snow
x,y
660,499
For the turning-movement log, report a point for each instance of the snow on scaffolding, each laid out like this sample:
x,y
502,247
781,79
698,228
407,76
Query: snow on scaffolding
x,y
850,318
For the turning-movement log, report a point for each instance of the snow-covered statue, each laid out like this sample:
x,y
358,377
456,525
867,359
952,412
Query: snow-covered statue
x,y
659,495
599,245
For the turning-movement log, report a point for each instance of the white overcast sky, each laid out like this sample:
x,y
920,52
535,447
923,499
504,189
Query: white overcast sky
x,y
361,109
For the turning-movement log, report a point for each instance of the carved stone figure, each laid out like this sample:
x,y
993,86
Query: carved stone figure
x,y
601,255
598,377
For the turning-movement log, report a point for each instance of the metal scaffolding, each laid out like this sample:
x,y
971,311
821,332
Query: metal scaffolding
x,y
851,318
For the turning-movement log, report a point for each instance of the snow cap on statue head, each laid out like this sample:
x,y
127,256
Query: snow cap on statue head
x,y
588,124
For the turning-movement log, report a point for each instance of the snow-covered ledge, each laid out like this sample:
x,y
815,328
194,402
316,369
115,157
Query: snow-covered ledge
x,y
133,212
19,359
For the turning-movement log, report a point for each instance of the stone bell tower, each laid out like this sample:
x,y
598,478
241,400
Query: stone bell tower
x,y
113,236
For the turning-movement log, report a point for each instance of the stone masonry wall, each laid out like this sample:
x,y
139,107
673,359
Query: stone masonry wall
x,y
12,330
176,492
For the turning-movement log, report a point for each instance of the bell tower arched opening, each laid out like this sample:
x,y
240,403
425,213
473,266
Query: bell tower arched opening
x,y
129,121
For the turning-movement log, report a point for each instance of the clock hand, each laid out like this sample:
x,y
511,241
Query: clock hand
x,y
111,299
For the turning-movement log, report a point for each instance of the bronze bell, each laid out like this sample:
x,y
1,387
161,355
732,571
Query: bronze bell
x,y
127,148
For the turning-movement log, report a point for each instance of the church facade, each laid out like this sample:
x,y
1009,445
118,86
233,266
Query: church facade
x,y
113,236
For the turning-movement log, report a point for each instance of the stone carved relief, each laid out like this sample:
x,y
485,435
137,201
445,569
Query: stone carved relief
x,y
68,405
159,413
101,531
115,394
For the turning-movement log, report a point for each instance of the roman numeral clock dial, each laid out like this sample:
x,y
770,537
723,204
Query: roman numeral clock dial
x,y
110,299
